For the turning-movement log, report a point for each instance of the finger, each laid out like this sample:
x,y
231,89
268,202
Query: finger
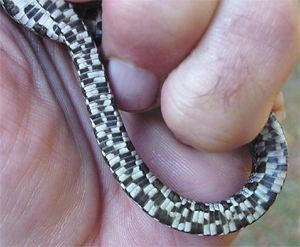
x,y
177,163
221,95
144,46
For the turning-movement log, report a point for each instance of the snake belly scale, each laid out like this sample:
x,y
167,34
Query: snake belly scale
x,y
58,21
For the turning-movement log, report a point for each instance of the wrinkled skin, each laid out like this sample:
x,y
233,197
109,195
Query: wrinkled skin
x,y
55,187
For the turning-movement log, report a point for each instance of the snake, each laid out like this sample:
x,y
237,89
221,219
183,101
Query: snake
x,y
58,21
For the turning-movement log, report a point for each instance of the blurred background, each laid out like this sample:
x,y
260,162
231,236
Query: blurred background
x,y
281,225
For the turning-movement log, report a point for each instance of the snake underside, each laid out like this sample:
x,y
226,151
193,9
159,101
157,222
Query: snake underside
x,y
58,21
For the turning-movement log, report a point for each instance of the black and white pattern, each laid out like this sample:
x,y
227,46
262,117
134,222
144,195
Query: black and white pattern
x,y
58,21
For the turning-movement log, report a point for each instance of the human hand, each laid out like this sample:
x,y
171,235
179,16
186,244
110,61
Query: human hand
x,y
51,191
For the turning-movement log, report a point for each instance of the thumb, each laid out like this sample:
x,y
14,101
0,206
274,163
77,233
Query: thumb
x,y
220,96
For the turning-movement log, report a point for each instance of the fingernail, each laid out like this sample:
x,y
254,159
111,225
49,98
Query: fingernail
x,y
135,88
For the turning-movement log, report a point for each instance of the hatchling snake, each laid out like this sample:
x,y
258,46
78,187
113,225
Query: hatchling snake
x,y
58,21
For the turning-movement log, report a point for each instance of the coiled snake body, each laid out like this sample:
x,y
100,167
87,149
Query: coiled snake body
x,y
58,21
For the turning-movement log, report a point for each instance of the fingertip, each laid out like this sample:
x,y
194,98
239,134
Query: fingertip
x,y
135,88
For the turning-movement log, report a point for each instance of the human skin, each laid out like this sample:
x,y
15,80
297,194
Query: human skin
x,y
215,70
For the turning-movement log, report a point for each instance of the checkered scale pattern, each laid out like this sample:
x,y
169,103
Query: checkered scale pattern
x,y
58,21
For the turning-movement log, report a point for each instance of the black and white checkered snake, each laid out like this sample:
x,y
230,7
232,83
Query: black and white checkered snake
x,y
58,21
